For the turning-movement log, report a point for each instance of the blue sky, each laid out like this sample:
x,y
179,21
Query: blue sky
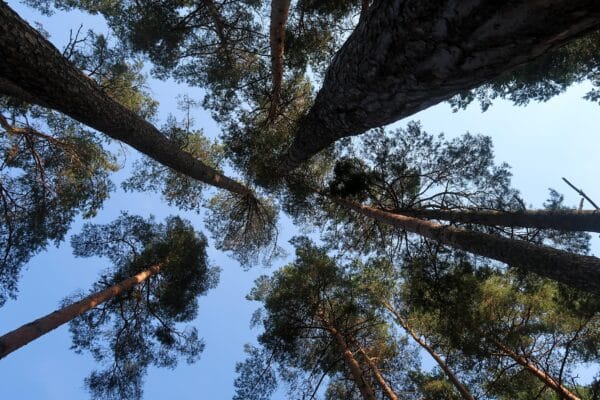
x,y
542,142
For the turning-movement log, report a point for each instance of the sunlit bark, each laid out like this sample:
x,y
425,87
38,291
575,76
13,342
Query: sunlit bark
x,y
18,338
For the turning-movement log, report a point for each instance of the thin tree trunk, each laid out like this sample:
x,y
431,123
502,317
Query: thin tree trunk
x,y
407,55
380,379
357,374
217,21
279,16
21,336
364,7
548,380
31,64
464,392
563,220
581,272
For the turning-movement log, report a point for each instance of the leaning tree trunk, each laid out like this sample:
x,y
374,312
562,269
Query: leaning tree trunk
x,y
357,374
562,220
581,272
464,392
279,16
407,55
378,376
546,379
32,65
33,330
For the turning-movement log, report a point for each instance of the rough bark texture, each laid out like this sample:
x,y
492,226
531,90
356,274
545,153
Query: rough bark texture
x,y
464,392
566,220
357,374
548,380
21,336
581,272
378,377
30,63
407,55
279,16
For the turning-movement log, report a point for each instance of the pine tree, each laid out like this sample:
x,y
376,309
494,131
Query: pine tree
x,y
51,81
130,321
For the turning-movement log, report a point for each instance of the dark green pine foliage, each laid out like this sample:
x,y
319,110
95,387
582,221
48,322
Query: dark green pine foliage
x,y
544,78
51,170
300,301
176,189
107,63
466,308
223,47
141,328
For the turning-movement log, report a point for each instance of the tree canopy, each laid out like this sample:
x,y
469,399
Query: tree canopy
x,y
409,246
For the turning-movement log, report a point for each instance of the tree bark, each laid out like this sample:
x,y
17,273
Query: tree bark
x,y
21,336
357,374
464,392
380,379
364,8
279,16
581,272
32,65
547,379
407,55
562,220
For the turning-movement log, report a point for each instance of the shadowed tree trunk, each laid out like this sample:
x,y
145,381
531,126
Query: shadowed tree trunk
x,y
380,379
407,55
21,336
217,20
548,380
30,65
364,8
563,220
279,16
357,374
581,272
464,392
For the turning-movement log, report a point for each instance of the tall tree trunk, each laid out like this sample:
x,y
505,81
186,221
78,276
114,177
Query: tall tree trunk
x,y
21,336
378,377
279,16
407,55
464,392
364,8
563,220
31,64
581,272
357,374
547,379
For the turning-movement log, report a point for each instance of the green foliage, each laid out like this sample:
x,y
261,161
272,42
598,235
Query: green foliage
x,y
248,132
303,301
434,386
256,379
176,188
136,330
467,311
51,170
107,64
245,226
223,46
401,170
351,178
